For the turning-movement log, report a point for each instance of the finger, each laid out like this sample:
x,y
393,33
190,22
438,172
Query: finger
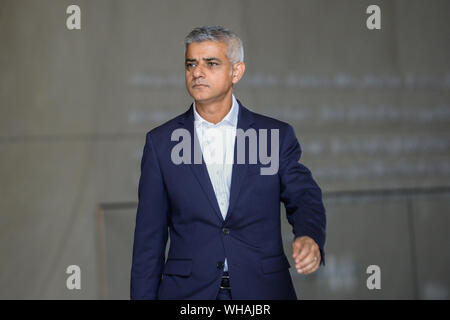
x,y
306,250
310,259
311,268
309,264
297,246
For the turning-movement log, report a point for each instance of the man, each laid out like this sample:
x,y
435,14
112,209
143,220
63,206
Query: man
x,y
223,217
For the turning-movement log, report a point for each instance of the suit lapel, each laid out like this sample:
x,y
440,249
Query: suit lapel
x,y
245,120
200,171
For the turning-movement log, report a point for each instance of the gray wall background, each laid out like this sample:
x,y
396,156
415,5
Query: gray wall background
x,y
371,110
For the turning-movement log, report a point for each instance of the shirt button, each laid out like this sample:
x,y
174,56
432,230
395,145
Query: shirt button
x,y
226,231
220,265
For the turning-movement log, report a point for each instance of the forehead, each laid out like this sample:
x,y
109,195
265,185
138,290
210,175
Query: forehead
x,y
206,49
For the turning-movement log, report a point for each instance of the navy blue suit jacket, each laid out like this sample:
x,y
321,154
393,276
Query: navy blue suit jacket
x,y
179,200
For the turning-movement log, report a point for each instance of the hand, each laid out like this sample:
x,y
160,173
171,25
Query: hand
x,y
306,254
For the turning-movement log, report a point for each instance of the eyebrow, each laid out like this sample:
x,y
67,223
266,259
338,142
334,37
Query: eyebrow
x,y
205,59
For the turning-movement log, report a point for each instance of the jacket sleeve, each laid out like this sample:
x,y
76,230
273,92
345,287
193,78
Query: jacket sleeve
x,y
300,194
150,235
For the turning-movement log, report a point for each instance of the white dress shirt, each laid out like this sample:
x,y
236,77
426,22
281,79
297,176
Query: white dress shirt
x,y
217,145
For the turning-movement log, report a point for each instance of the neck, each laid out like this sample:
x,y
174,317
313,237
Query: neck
x,y
215,111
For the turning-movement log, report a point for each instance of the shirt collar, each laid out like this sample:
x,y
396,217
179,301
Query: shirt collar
x,y
231,118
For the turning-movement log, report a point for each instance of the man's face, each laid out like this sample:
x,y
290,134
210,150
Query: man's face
x,y
207,71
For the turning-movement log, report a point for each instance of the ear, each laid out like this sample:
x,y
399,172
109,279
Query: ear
x,y
238,70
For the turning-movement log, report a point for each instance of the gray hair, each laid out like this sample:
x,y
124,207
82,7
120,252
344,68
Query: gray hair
x,y
235,48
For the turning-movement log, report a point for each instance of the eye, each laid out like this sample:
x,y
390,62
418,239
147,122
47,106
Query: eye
x,y
212,64
189,65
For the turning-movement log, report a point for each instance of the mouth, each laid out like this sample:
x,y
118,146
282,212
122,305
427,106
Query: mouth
x,y
199,86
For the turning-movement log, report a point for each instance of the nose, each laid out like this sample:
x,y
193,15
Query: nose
x,y
197,72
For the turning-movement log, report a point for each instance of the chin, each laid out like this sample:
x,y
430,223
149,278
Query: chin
x,y
200,96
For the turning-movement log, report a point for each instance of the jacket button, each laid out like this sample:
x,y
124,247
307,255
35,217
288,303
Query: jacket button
x,y
226,231
220,265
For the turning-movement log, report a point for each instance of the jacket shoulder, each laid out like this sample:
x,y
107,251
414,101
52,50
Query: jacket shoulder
x,y
165,130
